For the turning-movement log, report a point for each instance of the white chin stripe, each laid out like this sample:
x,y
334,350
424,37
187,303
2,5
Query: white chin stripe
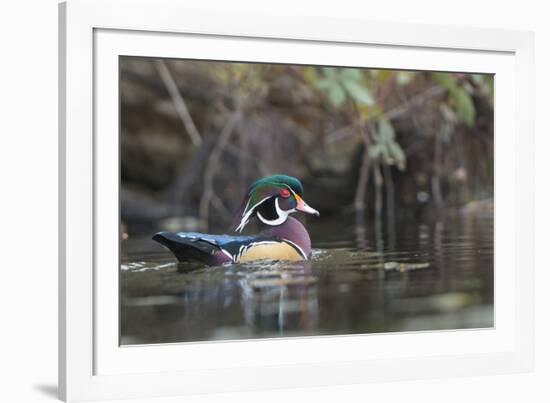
x,y
282,215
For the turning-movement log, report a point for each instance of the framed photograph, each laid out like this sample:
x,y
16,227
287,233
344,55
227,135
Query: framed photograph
x,y
247,206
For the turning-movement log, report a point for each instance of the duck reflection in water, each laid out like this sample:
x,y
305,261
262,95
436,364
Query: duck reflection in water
x,y
276,298
283,300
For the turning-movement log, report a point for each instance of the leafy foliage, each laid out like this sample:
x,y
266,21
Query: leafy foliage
x,y
386,149
308,120
341,84
355,86
459,96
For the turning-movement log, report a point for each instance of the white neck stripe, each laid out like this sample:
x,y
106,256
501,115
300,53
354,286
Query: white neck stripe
x,y
246,217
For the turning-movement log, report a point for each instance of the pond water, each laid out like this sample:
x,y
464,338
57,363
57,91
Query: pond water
x,y
361,279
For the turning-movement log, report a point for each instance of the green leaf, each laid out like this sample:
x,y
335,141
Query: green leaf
x,y
398,154
404,77
382,75
358,92
385,130
445,80
490,82
465,109
387,155
374,151
324,84
460,98
310,74
336,94
478,79
330,72
385,147
350,74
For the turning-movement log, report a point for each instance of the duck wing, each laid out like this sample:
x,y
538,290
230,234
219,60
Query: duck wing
x,y
207,248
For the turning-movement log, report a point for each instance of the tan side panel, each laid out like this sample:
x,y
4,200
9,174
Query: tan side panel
x,y
276,251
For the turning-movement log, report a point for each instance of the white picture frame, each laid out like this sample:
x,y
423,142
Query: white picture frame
x,y
93,33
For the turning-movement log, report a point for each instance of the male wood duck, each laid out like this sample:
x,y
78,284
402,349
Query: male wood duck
x,y
270,200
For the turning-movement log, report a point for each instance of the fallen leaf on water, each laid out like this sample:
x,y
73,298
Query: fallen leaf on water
x,y
277,282
403,267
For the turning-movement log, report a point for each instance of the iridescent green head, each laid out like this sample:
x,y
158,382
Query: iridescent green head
x,y
272,199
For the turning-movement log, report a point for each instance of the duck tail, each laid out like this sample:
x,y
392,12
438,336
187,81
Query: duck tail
x,y
187,248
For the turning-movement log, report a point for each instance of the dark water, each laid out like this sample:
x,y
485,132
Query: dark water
x,y
422,276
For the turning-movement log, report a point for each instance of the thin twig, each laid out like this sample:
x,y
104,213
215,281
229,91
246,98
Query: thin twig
x,y
213,163
179,103
340,134
414,101
402,109
188,174
218,203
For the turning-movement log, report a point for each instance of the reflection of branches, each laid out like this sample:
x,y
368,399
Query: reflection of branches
x,y
378,201
179,103
213,165
361,188
445,132
390,203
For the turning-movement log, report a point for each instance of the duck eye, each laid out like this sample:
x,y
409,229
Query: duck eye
x,y
284,193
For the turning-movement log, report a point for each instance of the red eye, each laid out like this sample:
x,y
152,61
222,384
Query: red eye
x,y
284,193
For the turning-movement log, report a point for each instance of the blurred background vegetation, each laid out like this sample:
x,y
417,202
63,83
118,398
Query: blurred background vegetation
x,y
378,143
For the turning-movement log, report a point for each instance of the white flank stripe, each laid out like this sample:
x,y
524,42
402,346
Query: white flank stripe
x,y
228,254
297,247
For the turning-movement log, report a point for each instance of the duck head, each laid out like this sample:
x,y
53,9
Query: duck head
x,y
272,199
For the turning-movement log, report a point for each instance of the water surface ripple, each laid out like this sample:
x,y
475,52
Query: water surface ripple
x,y
424,276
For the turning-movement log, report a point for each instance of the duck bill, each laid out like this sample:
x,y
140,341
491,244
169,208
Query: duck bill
x,y
304,207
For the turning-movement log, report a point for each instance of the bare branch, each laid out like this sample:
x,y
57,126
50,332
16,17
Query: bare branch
x,y
346,132
414,101
179,103
213,165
